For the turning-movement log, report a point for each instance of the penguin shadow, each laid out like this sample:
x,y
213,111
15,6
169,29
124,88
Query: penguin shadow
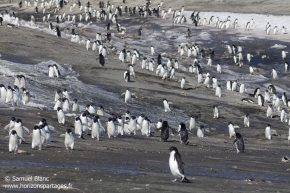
x,y
188,88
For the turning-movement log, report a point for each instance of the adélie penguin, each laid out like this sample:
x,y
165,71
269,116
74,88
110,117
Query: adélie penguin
x,y
36,137
239,143
183,134
69,139
164,131
176,165
13,142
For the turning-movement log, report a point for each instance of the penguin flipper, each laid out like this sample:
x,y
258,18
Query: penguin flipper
x,y
62,135
7,126
51,128
133,94
7,136
25,128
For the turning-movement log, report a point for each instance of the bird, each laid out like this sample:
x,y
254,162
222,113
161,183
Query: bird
x,y
176,165
183,134
164,131
239,143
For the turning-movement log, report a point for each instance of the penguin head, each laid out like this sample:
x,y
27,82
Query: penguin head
x,y
13,132
68,131
75,100
173,149
58,109
18,121
110,119
133,117
96,118
182,126
43,120
269,125
13,119
77,119
230,123
36,127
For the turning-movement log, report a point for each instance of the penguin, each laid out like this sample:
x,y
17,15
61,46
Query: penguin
x,y
272,89
58,103
36,138
111,128
19,128
140,121
101,60
13,142
247,120
283,53
26,97
3,92
283,115
132,71
239,143
91,108
261,100
66,94
132,126
75,106
128,95
152,50
200,131
78,127
274,74
96,128
219,69
164,130
9,95
286,66
270,111
289,135
56,71
192,122
215,112
232,130
183,81
85,121
60,116
218,91
183,134
69,139
176,164
58,33
65,105
268,133
120,125
127,76
267,96
166,105
284,98
242,88
146,130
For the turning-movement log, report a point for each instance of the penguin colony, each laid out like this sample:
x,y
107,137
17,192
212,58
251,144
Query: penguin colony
x,y
89,119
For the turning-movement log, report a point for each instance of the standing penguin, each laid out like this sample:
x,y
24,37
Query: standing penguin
x,y
176,165
78,127
36,138
58,33
132,126
218,91
69,140
183,134
13,142
75,106
215,112
164,131
200,131
183,81
239,143
232,130
192,122
60,116
268,133
111,128
96,128
101,60
127,76
146,127
260,100
247,120
166,105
